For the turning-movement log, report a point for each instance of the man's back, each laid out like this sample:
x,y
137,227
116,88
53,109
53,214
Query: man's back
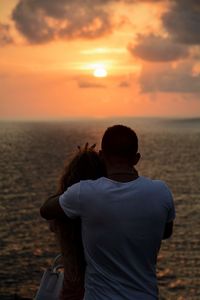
x,y
122,228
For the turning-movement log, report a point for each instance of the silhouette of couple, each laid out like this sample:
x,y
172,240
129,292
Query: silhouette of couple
x,y
110,222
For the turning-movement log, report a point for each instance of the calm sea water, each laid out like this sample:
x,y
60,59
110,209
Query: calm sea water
x,y
32,156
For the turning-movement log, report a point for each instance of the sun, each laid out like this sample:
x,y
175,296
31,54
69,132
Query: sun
x,y
100,71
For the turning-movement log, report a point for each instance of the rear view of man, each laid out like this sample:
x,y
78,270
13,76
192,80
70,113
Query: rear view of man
x,y
124,219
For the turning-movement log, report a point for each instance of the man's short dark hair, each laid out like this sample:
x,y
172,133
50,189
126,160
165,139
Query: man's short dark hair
x,y
120,141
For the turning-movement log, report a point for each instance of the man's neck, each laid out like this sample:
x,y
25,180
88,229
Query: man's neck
x,y
122,174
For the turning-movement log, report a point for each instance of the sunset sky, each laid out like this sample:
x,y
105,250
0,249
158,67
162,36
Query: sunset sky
x,y
75,58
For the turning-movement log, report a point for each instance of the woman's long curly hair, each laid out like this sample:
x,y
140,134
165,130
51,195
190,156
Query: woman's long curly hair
x,y
86,164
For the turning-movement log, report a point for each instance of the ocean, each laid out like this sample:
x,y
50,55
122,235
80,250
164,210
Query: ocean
x,y
32,157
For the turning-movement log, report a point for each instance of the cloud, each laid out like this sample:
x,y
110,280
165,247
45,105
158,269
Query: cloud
x,y
182,21
170,80
85,84
5,37
157,49
41,21
124,84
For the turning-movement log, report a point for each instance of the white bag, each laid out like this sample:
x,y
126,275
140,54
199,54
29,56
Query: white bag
x,y
51,283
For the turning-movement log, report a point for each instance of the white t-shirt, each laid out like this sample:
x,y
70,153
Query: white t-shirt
x,y
122,229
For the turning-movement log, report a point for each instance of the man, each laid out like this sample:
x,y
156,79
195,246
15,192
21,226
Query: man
x,y
124,219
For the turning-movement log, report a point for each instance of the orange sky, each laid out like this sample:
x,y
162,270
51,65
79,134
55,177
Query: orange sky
x,y
49,51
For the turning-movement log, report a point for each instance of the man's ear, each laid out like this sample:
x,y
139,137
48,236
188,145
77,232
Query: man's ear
x,y
137,158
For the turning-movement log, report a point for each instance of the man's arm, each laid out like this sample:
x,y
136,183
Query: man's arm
x,y
51,209
168,230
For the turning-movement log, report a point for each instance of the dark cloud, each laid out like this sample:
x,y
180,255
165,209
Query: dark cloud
x,y
156,48
5,37
45,20
124,84
40,21
182,21
83,83
169,80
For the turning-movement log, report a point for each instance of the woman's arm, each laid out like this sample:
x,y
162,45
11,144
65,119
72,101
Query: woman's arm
x,y
51,209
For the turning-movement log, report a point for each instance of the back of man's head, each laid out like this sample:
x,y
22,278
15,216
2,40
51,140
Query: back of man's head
x,y
119,141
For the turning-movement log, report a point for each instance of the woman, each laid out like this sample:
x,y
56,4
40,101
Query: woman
x,y
86,164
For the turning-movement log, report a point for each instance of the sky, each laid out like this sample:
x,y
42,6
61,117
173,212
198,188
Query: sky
x,y
99,58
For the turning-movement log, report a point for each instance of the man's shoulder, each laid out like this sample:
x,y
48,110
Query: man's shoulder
x,y
90,183
161,184
155,183
151,181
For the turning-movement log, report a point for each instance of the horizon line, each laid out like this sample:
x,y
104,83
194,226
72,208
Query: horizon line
x,y
87,118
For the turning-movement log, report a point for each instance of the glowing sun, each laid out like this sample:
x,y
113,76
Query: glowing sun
x,y
100,71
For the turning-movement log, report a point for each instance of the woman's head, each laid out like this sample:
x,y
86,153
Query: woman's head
x,y
86,164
